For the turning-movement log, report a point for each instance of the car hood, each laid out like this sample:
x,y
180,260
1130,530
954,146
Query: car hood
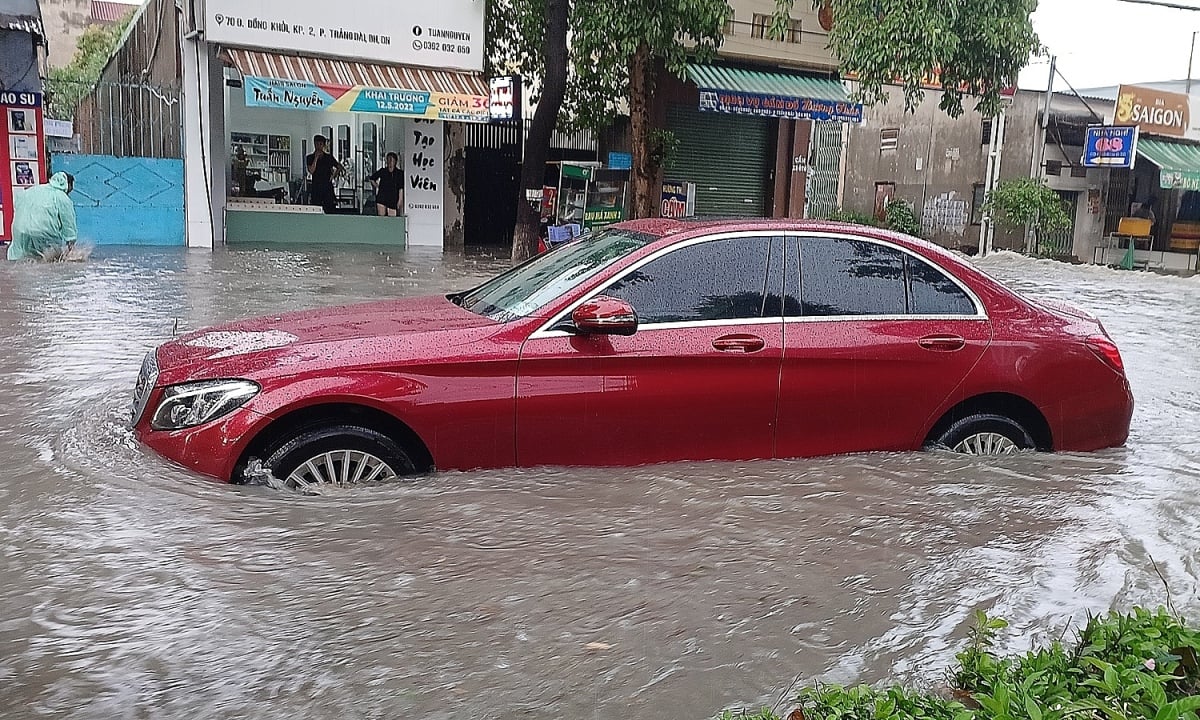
x,y
238,348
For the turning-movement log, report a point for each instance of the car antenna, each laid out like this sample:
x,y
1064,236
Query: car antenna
x,y
175,328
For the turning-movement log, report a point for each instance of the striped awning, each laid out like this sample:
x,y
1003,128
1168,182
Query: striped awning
x,y
350,73
1179,162
780,94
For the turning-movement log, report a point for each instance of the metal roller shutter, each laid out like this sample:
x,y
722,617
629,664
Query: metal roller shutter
x,y
727,156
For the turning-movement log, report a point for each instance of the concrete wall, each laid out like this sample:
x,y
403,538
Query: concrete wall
x,y
812,50
937,163
65,21
1090,198
126,201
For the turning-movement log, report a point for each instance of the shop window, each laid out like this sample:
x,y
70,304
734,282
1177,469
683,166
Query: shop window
x,y
889,139
327,132
1054,168
370,147
343,143
1078,171
758,28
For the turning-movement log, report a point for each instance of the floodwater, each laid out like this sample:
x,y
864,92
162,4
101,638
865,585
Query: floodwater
x,y
132,589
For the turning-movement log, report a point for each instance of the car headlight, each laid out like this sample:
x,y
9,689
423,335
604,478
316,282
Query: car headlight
x,y
192,404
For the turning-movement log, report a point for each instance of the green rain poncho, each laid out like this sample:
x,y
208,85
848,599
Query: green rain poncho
x,y
43,219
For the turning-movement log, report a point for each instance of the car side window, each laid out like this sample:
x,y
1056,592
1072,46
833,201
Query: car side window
x,y
715,280
933,293
851,277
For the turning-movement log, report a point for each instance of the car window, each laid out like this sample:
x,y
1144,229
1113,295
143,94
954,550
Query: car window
x,y
532,285
714,280
851,277
933,293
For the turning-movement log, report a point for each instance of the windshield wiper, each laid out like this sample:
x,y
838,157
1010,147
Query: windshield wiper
x,y
456,298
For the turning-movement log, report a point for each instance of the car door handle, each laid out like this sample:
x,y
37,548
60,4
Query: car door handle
x,y
942,343
739,343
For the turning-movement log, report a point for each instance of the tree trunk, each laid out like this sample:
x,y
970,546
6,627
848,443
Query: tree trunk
x,y
645,170
541,129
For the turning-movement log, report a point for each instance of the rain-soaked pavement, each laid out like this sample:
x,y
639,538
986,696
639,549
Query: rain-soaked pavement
x,y
132,589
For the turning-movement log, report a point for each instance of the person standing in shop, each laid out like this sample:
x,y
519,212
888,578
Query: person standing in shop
x,y
389,187
322,170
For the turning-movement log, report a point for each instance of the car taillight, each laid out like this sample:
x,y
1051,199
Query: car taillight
x,y
1107,351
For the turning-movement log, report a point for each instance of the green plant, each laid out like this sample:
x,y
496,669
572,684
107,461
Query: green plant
x,y
1027,202
67,85
664,147
1140,665
902,218
852,216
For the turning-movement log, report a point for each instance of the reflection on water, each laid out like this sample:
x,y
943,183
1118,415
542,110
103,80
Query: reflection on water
x,y
130,588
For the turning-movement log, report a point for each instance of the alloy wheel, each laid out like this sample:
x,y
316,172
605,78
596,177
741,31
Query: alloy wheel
x,y
340,467
986,443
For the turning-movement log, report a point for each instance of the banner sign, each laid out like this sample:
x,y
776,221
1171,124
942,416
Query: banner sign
x,y
1157,112
1111,147
678,199
424,171
303,95
1179,180
779,106
445,34
505,102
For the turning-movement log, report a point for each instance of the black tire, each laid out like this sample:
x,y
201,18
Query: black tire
x,y
981,423
312,442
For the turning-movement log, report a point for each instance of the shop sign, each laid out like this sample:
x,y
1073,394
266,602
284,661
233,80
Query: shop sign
x,y
303,95
678,199
598,216
504,105
22,150
423,178
779,106
577,172
1111,147
1179,180
620,161
446,34
1157,112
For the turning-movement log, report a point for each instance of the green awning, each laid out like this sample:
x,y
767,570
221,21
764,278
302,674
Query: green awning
x,y
773,94
1180,163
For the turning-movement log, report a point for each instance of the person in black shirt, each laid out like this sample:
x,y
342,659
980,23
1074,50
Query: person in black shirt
x,y
389,187
323,169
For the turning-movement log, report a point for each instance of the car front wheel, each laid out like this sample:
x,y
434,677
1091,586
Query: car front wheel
x,y
340,455
985,434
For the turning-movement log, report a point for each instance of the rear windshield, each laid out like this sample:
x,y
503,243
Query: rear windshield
x,y
534,284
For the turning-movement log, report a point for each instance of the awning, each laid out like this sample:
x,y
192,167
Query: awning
x,y
314,83
773,94
1180,163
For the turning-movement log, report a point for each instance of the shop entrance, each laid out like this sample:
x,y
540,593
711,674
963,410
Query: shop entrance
x,y
490,213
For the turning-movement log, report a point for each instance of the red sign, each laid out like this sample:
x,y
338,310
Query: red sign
x,y
22,150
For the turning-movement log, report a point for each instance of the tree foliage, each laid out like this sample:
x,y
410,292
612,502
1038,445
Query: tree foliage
x,y
1025,201
69,84
972,47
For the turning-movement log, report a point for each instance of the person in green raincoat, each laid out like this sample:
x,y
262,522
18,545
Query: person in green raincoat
x,y
43,223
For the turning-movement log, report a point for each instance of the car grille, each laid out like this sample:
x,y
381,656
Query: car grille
x,y
145,385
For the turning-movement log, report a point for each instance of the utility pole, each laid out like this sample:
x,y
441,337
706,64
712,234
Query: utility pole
x,y
1039,152
1191,55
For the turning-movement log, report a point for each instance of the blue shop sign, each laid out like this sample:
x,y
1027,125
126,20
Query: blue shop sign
x,y
779,106
1110,147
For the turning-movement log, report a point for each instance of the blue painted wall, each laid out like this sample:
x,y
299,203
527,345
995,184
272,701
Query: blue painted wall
x,y
127,200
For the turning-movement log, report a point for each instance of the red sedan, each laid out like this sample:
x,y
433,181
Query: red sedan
x,y
646,342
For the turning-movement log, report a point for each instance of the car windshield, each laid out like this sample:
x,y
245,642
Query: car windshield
x,y
532,285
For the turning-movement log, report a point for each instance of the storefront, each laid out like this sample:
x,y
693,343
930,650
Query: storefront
x,y
380,79
753,141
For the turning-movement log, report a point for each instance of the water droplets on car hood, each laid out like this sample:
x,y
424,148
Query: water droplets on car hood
x,y
241,342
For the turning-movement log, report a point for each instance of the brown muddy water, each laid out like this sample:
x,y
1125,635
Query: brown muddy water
x,y
132,589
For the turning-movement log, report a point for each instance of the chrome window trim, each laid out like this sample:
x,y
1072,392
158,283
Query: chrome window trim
x,y
544,331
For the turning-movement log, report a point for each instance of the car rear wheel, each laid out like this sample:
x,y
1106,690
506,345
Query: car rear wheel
x,y
985,434
340,455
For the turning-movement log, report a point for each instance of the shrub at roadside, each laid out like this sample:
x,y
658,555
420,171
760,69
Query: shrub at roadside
x,y
1139,665
900,217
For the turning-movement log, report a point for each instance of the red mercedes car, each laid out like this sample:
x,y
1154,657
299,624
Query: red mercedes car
x,y
645,342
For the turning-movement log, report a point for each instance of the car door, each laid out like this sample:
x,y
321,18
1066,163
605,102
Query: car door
x,y
698,380
876,340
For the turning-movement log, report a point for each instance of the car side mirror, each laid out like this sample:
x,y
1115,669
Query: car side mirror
x,y
604,315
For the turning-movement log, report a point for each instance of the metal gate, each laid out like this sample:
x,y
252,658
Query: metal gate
x,y
824,169
1059,244
725,155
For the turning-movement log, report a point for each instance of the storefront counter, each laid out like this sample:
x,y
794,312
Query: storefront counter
x,y
254,223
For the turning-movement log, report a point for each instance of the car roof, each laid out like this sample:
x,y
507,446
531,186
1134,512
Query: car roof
x,y
670,228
